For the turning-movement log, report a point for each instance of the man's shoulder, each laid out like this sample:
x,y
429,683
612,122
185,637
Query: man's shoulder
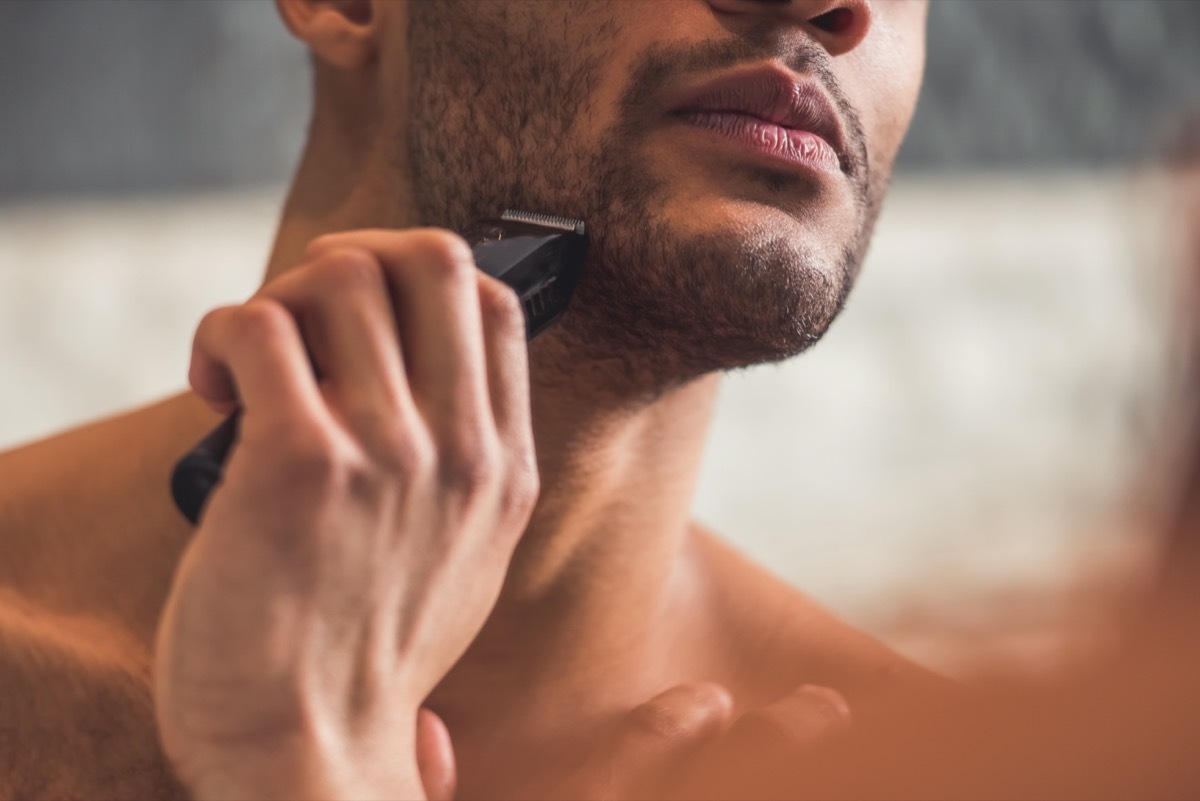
x,y
784,638
76,709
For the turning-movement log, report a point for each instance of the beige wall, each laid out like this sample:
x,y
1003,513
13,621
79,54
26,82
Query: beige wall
x,y
967,431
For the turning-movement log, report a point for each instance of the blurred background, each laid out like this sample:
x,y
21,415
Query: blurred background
x,y
958,467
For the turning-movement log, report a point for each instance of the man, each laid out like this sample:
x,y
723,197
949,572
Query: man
x,y
729,157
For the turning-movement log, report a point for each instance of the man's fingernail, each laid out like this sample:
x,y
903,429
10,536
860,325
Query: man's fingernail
x,y
715,697
831,700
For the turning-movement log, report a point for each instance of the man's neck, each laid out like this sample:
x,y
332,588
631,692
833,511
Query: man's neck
x,y
597,571
592,617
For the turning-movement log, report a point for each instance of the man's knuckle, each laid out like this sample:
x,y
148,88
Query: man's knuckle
x,y
214,317
441,245
441,255
261,322
319,245
501,307
522,488
213,322
406,454
454,273
311,461
471,466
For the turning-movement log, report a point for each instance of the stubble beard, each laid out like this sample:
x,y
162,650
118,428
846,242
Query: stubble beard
x,y
654,309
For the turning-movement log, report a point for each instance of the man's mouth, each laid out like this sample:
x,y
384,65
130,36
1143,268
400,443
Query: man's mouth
x,y
771,113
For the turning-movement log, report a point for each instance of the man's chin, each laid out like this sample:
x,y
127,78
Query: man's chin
x,y
725,289
780,260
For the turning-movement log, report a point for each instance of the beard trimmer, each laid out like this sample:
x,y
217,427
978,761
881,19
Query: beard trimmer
x,y
540,256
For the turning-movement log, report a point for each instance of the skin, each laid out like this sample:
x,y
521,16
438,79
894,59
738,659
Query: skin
x,y
703,259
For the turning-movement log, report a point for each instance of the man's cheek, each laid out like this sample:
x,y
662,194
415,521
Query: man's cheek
x,y
884,81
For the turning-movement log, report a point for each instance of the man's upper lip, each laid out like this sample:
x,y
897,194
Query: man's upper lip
x,y
771,94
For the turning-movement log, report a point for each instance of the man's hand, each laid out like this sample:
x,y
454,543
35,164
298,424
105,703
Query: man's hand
x,y
384,473
685,744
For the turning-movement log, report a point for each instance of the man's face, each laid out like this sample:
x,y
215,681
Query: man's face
x,y
719,237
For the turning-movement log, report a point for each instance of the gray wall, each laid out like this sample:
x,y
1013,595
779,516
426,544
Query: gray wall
x,y
153,95
134,95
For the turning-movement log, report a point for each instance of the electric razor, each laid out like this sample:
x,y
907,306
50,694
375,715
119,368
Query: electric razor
x,y
540,256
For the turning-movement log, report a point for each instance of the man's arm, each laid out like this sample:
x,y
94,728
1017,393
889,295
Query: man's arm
x,y
384,472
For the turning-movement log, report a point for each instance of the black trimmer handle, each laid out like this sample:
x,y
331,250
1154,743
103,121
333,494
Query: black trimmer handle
x,y
200,470
539,255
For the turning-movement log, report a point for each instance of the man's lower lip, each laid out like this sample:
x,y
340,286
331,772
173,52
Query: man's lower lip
x,y
795,147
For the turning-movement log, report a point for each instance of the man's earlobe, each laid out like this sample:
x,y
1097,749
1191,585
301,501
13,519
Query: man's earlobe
x,y
339,32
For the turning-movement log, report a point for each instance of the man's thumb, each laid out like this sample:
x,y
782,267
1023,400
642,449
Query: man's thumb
x,y
435,757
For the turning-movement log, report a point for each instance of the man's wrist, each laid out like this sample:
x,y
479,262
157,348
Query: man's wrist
x,y
305,771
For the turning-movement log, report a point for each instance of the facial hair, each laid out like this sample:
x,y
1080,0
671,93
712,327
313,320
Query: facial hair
x,y
493,105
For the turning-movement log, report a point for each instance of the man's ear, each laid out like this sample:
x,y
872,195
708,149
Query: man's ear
x,y
339,32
